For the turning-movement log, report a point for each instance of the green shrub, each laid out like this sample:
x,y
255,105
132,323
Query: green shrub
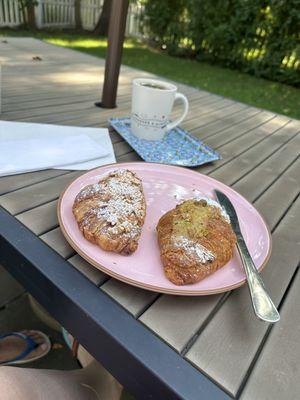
x,y
260,37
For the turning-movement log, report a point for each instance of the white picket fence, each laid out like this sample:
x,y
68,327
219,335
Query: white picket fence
x,y
61,14
58,13
10,13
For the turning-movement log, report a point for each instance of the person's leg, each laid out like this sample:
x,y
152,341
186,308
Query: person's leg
x,y
95,376
99,378
34,384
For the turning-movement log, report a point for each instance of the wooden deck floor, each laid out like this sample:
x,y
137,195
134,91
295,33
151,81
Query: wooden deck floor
x,y
217,334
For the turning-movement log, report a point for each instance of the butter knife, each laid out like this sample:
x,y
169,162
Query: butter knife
x,y
263,306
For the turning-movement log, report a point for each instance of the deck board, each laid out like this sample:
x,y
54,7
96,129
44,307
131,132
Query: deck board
x,y
274,202
244,163
279,359
265,174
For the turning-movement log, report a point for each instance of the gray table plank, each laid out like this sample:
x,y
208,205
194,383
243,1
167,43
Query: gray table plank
x,y
92,273
121,148
14,182
263,119
276,374
227,346
289,225
240,166
242,142
132,156
37,194
227,121
264,175
220,134
56,240
259,126
40,219
206,107
274,202
231,108
220,114
178,319
135,300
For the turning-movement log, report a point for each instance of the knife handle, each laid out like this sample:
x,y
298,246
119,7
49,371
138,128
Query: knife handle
x,y
263,306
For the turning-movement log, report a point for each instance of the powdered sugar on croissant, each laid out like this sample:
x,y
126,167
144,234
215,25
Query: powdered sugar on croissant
x,y
111,213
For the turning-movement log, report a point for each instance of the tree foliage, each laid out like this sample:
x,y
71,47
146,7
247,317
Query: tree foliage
x,y
257,36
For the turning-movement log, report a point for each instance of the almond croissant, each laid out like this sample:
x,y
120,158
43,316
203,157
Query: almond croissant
x,y
111,213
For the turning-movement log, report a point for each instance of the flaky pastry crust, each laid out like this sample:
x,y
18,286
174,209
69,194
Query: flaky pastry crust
x,y
111,213
195,240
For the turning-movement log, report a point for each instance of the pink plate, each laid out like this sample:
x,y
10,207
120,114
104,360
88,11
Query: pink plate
x,y
164,187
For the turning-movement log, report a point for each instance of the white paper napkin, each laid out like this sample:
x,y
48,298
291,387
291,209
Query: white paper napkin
x,y
100,136
26,147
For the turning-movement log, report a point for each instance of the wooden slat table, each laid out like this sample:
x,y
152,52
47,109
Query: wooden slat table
x,y
158,346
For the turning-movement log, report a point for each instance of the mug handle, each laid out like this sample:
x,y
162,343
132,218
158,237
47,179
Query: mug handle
x,y
177,121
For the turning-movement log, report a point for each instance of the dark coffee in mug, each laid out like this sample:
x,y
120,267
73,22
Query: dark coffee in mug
x,y
154,86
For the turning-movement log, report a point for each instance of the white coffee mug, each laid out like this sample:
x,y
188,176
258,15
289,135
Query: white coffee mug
x,y
152,103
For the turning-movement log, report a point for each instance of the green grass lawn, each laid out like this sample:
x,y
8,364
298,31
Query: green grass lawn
x,y
239,86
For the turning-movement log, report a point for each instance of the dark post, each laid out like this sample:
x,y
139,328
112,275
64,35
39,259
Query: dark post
x,y
116,33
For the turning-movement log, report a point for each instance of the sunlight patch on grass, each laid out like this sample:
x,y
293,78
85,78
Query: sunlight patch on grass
x,y
86,43
77,43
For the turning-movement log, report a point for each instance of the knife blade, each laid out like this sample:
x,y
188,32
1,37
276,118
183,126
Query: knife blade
x,y
263,306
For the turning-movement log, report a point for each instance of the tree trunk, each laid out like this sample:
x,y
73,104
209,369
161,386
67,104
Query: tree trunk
x,y
78,22
101,27
31,17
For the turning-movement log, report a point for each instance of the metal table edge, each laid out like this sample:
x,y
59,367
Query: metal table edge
x,y
145,365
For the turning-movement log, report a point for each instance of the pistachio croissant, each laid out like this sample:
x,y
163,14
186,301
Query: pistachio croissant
x,y
195,240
